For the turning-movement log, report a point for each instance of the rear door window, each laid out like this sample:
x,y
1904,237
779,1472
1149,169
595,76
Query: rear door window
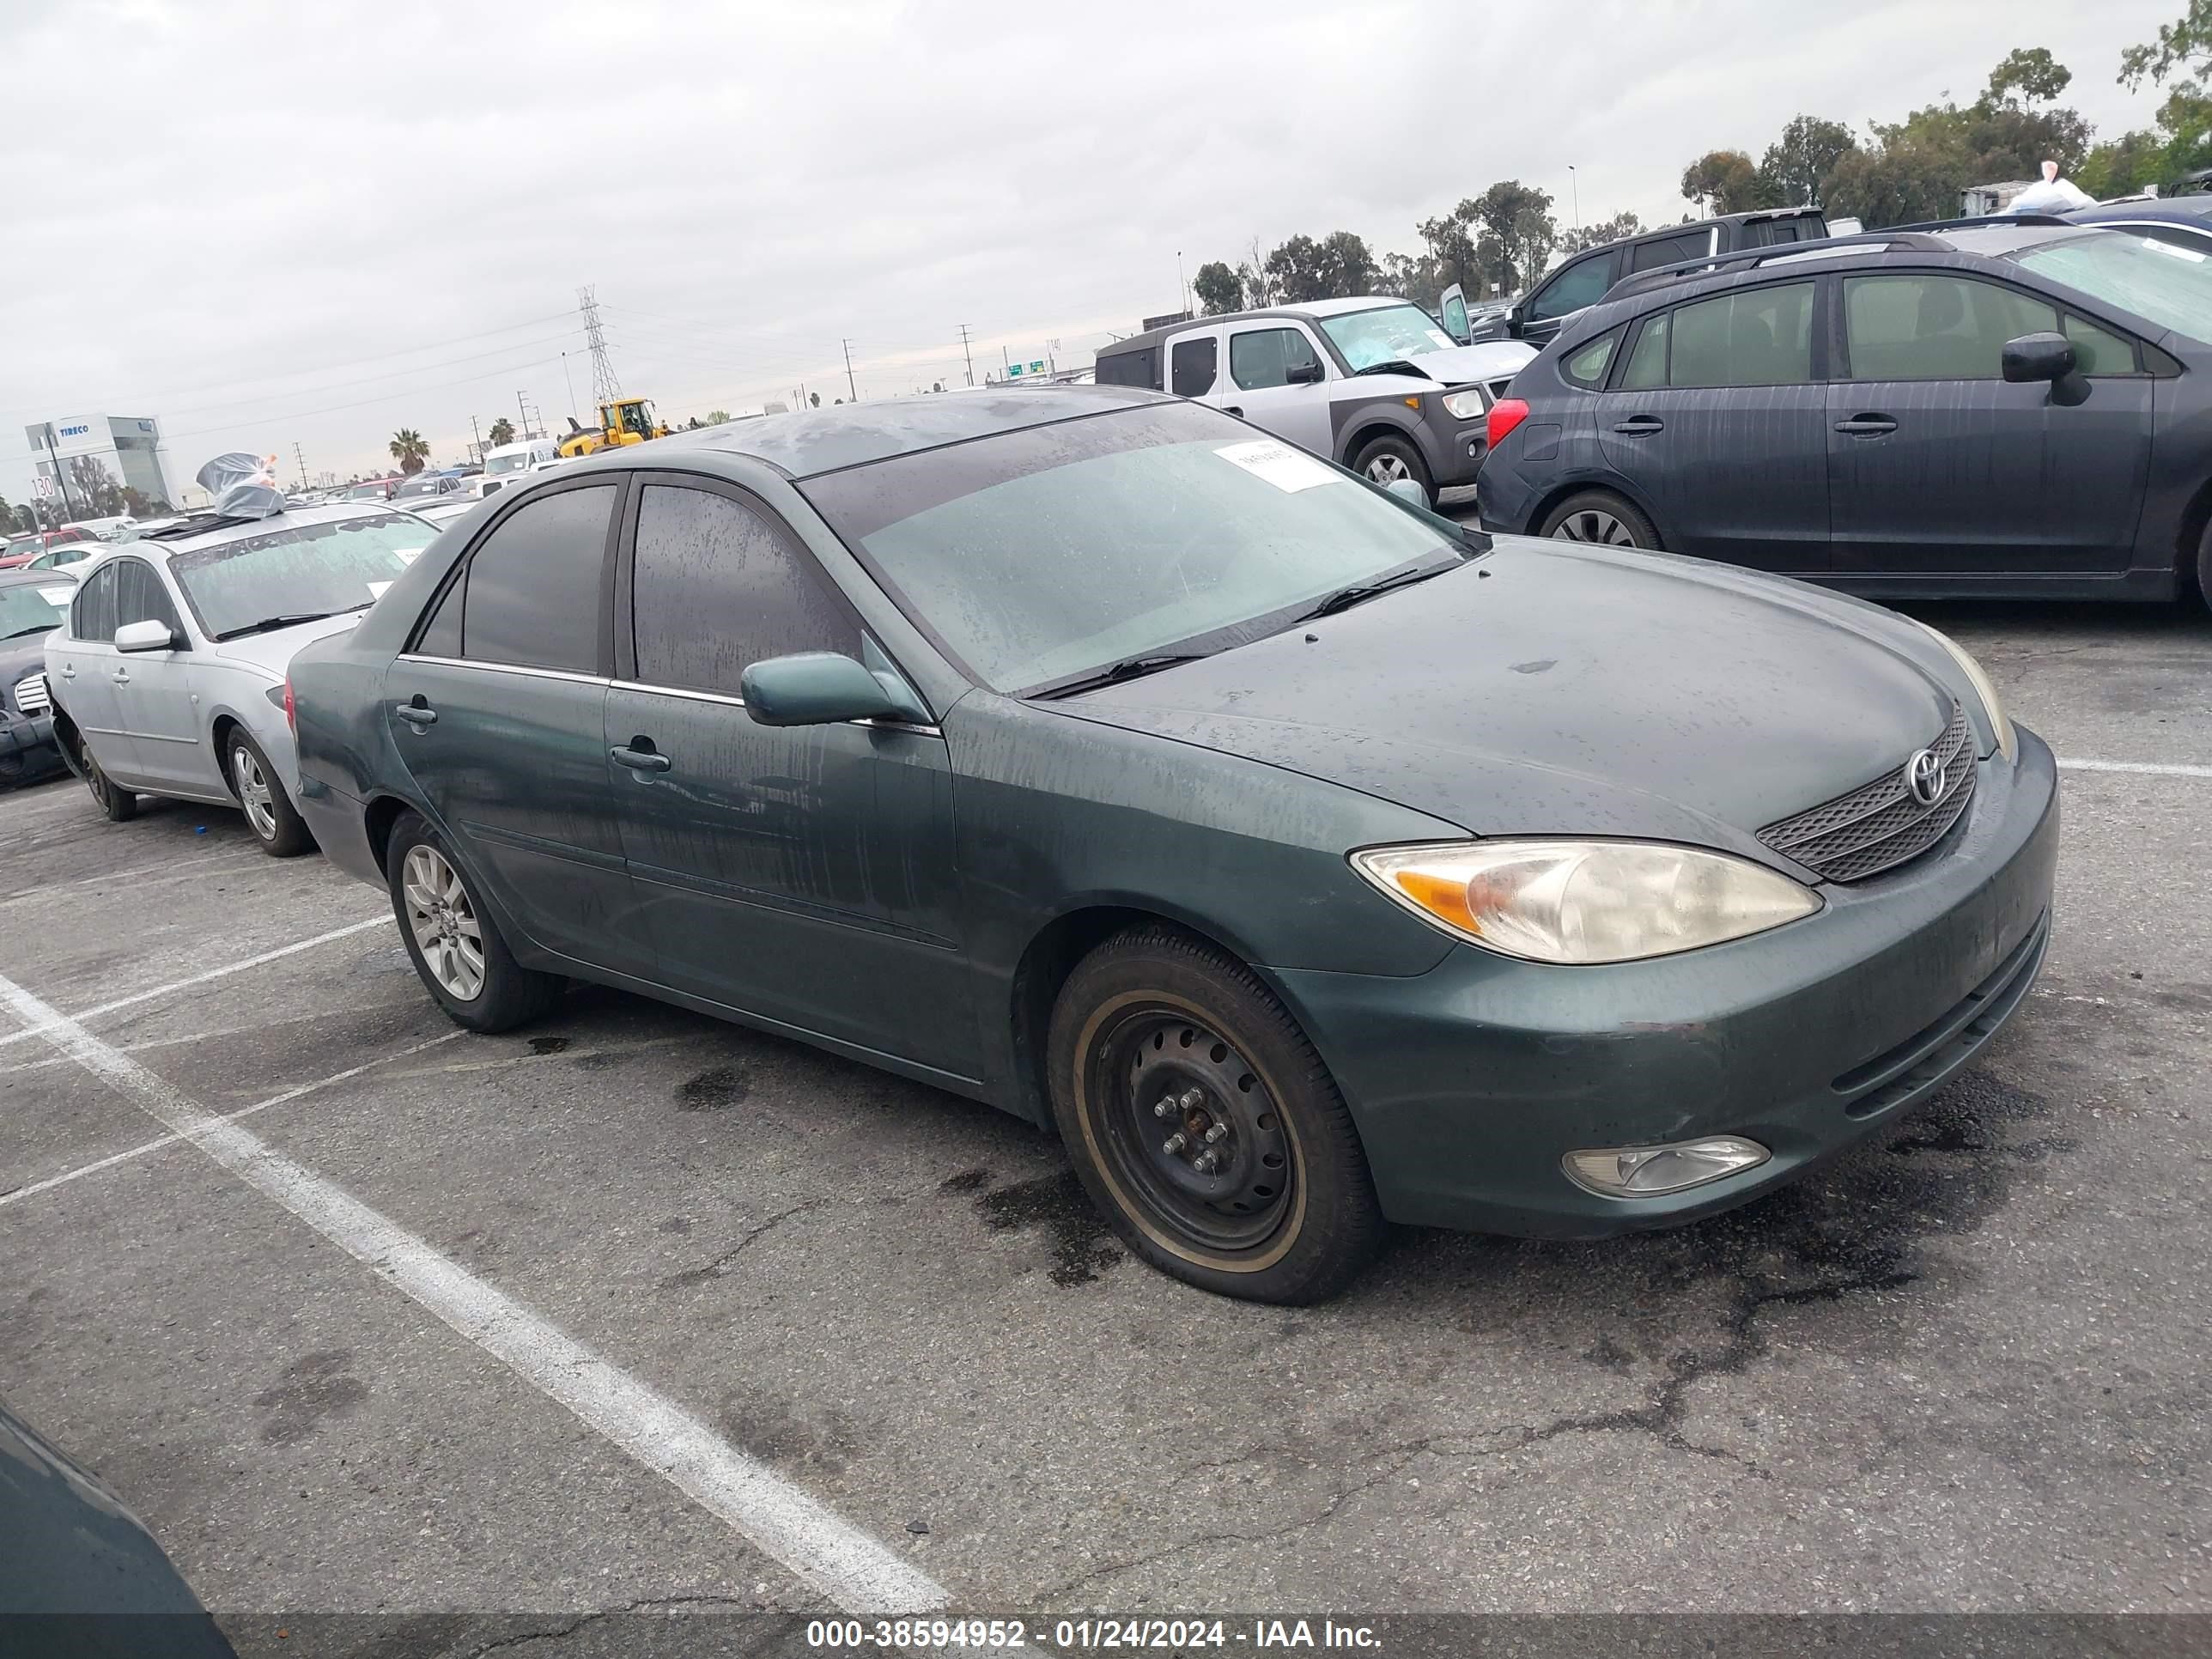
x,y
1140,368
1934,327
1261,358
1191,366
1570,289
717,584
1752,336
534,584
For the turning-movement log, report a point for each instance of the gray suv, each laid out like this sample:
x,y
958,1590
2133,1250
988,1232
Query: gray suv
x,y
1372,383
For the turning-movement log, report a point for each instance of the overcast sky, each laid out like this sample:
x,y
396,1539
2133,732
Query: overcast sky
x,y
267,224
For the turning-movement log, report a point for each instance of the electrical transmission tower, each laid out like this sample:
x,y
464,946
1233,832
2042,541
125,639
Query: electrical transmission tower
x,y
605,388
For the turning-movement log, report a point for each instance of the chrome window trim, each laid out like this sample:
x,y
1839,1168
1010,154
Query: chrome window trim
x,y
729,701
504,668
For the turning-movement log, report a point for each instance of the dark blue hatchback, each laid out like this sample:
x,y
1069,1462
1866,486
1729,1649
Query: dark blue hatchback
x,y
1990,409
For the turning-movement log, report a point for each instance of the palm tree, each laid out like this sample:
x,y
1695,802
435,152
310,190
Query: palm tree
x,y
409,450
503,432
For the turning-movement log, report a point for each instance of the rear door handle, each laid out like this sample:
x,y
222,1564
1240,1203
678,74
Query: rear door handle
x,y
1866,426
1232,408
122,678
68,670
640,760
1637,426
417,716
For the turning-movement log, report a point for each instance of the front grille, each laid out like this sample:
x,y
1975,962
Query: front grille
x,y
31,696
1880,825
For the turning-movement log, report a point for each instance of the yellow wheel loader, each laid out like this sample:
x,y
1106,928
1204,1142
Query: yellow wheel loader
x,y
624,421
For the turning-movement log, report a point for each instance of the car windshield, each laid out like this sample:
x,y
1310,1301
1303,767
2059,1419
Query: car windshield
x,y
300,571
25,609
2171,285
22,544
1369,337
495,464
1038,555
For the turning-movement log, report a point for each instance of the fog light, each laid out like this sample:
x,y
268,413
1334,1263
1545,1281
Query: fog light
x,y
1650,1171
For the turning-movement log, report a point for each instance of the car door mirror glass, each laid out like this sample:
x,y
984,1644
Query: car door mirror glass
x,y
146,637
813,688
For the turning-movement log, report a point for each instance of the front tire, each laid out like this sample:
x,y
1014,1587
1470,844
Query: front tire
x,y
276,823
117,804
454,943
1387,458
1204,1125
1601,516
2204,565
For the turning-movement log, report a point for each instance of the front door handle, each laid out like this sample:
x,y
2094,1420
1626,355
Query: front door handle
x,y
417,714
1866,426
1636,426
68,670
122,676
639,760
1232,408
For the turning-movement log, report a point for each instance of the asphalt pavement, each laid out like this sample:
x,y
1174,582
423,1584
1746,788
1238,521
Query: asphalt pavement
x,y
833,1339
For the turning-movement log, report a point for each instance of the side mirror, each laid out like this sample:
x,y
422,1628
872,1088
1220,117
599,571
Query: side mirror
x,y
814,688
1409,489
1304,374
2045,356
147,636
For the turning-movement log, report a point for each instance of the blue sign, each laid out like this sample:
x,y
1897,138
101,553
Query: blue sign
x,y
74,431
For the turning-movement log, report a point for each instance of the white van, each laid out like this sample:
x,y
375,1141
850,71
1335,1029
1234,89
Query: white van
x,y
511,462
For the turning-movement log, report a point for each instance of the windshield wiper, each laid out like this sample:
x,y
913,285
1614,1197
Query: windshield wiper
x,y
35,628
1344,597
1129,668
1394,366
267,623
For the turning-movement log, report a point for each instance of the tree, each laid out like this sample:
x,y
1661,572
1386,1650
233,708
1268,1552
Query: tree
x,y
2124,164
2186,46
502,431
1218,288
1797,163
1451,248
814,400
1338,265
1599,232
1723,181
1514,218
1411,277
718,416
2030,72
409,450
2183,50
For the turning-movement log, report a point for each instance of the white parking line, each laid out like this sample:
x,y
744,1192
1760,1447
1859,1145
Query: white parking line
x,y
2154,769
853,1570
18,1195
201,979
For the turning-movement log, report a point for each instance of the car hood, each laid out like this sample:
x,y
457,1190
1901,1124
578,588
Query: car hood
x,y
1491,360
1549,688
272,652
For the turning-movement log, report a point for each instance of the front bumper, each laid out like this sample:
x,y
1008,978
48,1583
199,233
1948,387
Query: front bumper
x,y
28,749
1470,1083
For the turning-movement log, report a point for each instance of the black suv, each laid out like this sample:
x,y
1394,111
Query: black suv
x,y
1581,281
2007,408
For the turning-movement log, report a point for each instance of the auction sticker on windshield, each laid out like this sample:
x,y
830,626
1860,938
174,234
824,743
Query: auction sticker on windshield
x,y
1285,468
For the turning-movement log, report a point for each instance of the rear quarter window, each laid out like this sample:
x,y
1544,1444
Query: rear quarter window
x,y
1140,368
1585,365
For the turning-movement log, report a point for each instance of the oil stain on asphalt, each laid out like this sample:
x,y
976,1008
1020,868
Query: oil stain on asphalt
x,y
313,1388
715,1090
1082,1247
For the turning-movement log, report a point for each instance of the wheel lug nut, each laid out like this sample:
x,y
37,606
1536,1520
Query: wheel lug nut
x,y
1206,1163
1166,1107
1193,1099
1216,1133
1173,1144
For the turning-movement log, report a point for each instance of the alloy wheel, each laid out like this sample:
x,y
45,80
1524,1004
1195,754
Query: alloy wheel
x,y
1388,469
1189,1128
1594,525
444,921
253,793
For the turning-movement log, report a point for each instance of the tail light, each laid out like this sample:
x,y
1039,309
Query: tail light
x,y
1504,414
291,714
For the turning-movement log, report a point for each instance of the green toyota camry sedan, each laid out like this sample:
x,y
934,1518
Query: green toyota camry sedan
x,y
1307,861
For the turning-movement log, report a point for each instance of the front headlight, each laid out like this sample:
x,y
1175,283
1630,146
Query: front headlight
x,y
2007,740
1466,405
1585,900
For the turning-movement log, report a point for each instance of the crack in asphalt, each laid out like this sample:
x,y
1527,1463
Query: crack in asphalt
x,y
714,1269
581,1621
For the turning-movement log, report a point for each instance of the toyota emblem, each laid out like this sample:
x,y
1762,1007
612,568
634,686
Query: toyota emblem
x,y
1924,776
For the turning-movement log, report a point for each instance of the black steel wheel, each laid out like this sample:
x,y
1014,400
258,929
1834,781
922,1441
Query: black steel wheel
x,y
1204,1125
116,804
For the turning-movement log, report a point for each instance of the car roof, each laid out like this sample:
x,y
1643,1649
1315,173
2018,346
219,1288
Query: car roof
x,y
1306,310
818,440
212,529
2193,211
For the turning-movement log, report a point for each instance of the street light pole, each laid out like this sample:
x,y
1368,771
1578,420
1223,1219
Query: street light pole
x,y
1575,185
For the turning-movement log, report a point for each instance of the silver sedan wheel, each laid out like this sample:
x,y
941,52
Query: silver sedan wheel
x,y
255,792
444,922
1595,524
1386,469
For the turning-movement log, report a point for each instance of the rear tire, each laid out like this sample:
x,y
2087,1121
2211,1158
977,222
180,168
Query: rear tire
x,y
2204,565
276,823
1602,517
1386,457
117,804
454,943
1205,1126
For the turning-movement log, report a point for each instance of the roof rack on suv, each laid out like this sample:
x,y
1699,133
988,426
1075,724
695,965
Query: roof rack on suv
x,y
1750,259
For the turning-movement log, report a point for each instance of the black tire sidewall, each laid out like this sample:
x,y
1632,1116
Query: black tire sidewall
x,y
292,837
116,804
512,994
1604,501
1335,1225
1404,448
